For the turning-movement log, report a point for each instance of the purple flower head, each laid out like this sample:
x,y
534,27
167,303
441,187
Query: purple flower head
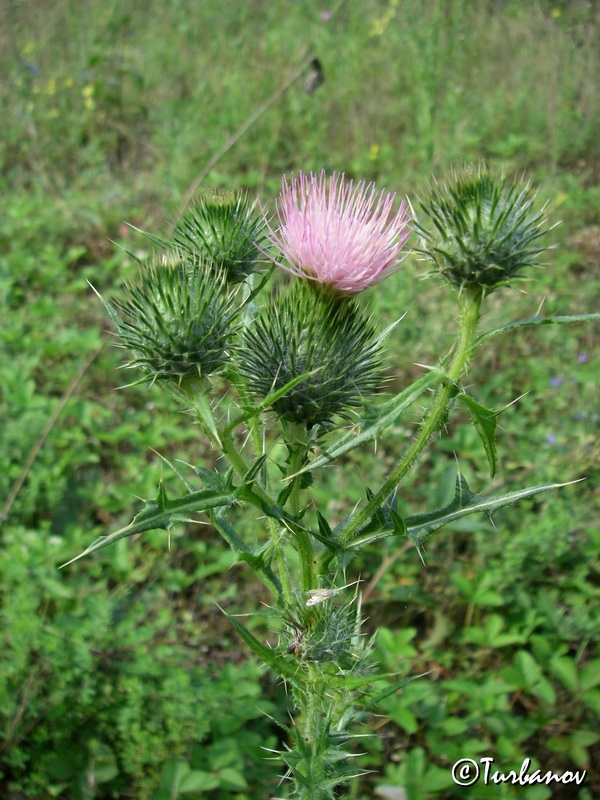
x,y
339,233
583,358
556,382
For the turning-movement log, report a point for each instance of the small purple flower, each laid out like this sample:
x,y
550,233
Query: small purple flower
x,y
325,16
583,358
551,438
556,382
339,233
580,415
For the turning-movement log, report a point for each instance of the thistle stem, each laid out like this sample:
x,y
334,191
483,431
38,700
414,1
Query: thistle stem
x,y
295,435
241,468
470,304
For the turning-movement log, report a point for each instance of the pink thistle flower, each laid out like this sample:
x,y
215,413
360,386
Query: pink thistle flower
x,y
339,233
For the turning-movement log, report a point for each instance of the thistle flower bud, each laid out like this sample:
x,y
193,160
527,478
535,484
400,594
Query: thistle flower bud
x,y
327,631
482,232
309,330
177,321
223,229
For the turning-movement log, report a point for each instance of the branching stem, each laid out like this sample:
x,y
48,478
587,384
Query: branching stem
x,y
470,303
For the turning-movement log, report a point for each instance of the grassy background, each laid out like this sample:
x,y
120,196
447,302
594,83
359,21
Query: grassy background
x,y
120,674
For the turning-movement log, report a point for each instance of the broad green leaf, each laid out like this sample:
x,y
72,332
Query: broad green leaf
x,y
484,420
103,765
529,668
198,781
374,420
590,675
536,321
172,774
591,698
232,779
405,719
565,670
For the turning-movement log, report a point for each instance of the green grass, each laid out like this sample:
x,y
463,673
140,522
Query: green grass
x,y
110,111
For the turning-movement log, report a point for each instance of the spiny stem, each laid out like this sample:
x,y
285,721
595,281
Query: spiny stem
x,y
295,435
241,468
470,303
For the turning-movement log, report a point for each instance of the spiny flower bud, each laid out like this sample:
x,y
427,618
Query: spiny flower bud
x,y
177,322
326,631
482,232
223,229
309,330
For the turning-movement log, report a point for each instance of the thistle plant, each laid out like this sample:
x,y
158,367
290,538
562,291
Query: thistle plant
x,y
300,361
223,229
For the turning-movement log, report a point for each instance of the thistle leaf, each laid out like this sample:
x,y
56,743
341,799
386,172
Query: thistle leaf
x,y
485,421
465,502
162,513
537,321
374,420
278,663
420,526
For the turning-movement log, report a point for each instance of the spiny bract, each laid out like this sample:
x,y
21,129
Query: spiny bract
x,y
223,229
309,330
178,321
482,232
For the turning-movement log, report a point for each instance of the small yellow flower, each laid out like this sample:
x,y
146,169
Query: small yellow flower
x,y
379,25
88,97
28,48
555,13
374,152
50,87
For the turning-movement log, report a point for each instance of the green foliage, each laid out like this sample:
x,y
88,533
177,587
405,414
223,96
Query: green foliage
x,y
510,675
99,696
110,120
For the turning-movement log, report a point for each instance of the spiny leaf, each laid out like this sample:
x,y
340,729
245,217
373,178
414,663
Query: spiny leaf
x,y
465,502
485,421
278,663
420,526
374,420
259,559
537,321
163,513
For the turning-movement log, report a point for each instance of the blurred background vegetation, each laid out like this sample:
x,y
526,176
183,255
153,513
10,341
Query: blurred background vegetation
x,y
119,677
